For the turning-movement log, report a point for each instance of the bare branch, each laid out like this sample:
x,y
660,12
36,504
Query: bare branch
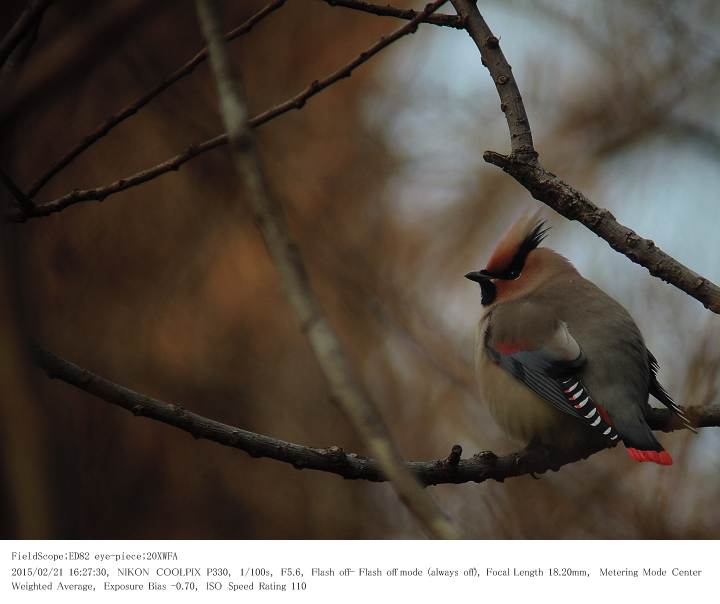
x,y
32,13
296,102
511,102
544,186
480,467
294,279
400,13
135,106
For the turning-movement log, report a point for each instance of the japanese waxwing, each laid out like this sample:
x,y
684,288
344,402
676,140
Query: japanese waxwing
x,y
558,361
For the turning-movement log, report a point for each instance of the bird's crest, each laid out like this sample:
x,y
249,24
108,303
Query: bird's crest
x,y
526,233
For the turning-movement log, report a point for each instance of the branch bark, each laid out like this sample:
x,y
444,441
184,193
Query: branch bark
x,y
478,468
297,101
295,282
400,13
523,165
511,103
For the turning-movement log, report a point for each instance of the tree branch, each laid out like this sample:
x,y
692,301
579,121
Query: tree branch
x,y
511,103
296,102
480,467
295,282
135,106
522,164
400,13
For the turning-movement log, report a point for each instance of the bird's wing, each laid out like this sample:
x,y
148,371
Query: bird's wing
x,y
552,371
657,390
540,368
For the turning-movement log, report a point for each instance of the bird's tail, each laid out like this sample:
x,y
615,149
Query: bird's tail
x,y
642,445
661,457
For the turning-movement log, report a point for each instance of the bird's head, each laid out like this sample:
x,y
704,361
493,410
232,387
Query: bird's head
x,y
508,261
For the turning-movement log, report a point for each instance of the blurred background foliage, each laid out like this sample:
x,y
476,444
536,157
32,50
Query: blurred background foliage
x,y
167,288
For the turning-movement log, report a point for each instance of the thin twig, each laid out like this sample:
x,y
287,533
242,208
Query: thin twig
x,y
333,460
135,106
400,13
523,165
286,257
22,26
295,102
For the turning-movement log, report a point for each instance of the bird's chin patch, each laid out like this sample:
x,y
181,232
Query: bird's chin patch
x,y
488,290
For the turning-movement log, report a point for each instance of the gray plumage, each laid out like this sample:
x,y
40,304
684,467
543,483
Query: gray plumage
x,y
544,323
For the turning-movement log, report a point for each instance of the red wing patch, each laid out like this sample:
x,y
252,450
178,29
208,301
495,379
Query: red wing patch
x,y
511,347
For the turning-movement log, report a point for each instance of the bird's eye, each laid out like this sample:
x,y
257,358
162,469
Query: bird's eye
x,y
513,274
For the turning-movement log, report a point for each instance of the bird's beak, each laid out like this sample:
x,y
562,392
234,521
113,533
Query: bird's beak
x,y
478,276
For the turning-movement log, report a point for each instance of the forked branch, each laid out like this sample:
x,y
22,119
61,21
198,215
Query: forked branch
x,y
400,13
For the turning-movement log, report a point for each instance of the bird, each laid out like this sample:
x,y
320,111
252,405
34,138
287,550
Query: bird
x,y
558,361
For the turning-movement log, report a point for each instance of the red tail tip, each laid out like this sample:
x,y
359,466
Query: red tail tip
x,y
661,457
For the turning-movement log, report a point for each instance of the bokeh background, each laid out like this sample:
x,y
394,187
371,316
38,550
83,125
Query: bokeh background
x,y
167,288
